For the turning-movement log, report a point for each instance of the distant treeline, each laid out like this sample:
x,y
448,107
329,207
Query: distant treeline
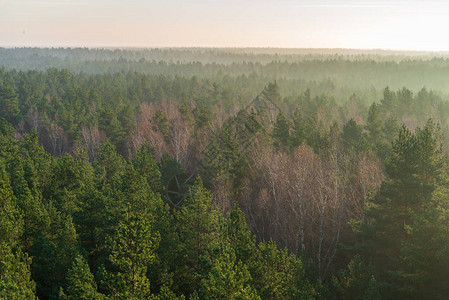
x,y
345,68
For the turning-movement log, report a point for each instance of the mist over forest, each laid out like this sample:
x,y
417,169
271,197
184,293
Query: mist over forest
x,y
223,173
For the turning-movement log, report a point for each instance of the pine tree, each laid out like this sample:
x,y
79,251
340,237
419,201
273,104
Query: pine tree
x,y
281,131
202,114
228,278
240,238
29,198
15,275
11,220
108,164
130,192
175,180
145,163
353,137
80,282
374,124
276,274
132,249
167,294
399,210
388,103
198,225
53,255
298,134
9,103
356,282
271,92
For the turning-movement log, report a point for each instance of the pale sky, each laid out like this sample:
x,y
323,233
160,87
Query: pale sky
x,y
398,25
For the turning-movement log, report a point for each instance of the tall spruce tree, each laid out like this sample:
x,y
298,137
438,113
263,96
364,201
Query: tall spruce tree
x,y
15,275
132,249
281,131
9,103
198,225
80,282
401,216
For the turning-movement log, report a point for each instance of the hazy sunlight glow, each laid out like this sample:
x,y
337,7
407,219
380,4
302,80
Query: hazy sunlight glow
x,y
400,25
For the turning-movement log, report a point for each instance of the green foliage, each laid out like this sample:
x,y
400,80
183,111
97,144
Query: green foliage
x,y
11,220
80,282
281,131
240,238
72,215
356,282
145,164
111,125
72,176
271,92
402,213
15,275
353,137
276,274
202,114
108,164
162,123
167,260
167,294
228,278
53,256
6,128
132,249
9,103
298,134
374,124
175,180
198,225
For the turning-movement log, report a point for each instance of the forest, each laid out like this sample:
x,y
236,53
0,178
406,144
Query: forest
x,y
196,173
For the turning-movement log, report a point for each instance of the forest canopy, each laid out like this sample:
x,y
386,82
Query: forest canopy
x,y
223,174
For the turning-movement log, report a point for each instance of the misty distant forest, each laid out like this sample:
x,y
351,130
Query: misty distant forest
x,y
196,173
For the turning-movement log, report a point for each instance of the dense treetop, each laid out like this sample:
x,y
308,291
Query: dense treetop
x,y
223,174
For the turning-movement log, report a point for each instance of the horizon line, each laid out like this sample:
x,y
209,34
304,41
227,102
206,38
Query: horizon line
x,y
112,47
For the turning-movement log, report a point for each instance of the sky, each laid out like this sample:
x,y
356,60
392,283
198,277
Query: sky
x,y
362,24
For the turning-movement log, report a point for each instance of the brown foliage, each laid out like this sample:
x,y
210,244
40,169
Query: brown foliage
x,y
304,201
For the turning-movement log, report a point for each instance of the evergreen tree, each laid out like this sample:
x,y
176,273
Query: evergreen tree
x,y
281,131
130,192
356,282
80,282
11,220
111,125
298,134
228,278
198,225
276,274
388,103
145,163
161,121
202,114
132,249
240,238
9,103
271,92
108,164
374,124
53,256
353,137
15,275
175,180
399,210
